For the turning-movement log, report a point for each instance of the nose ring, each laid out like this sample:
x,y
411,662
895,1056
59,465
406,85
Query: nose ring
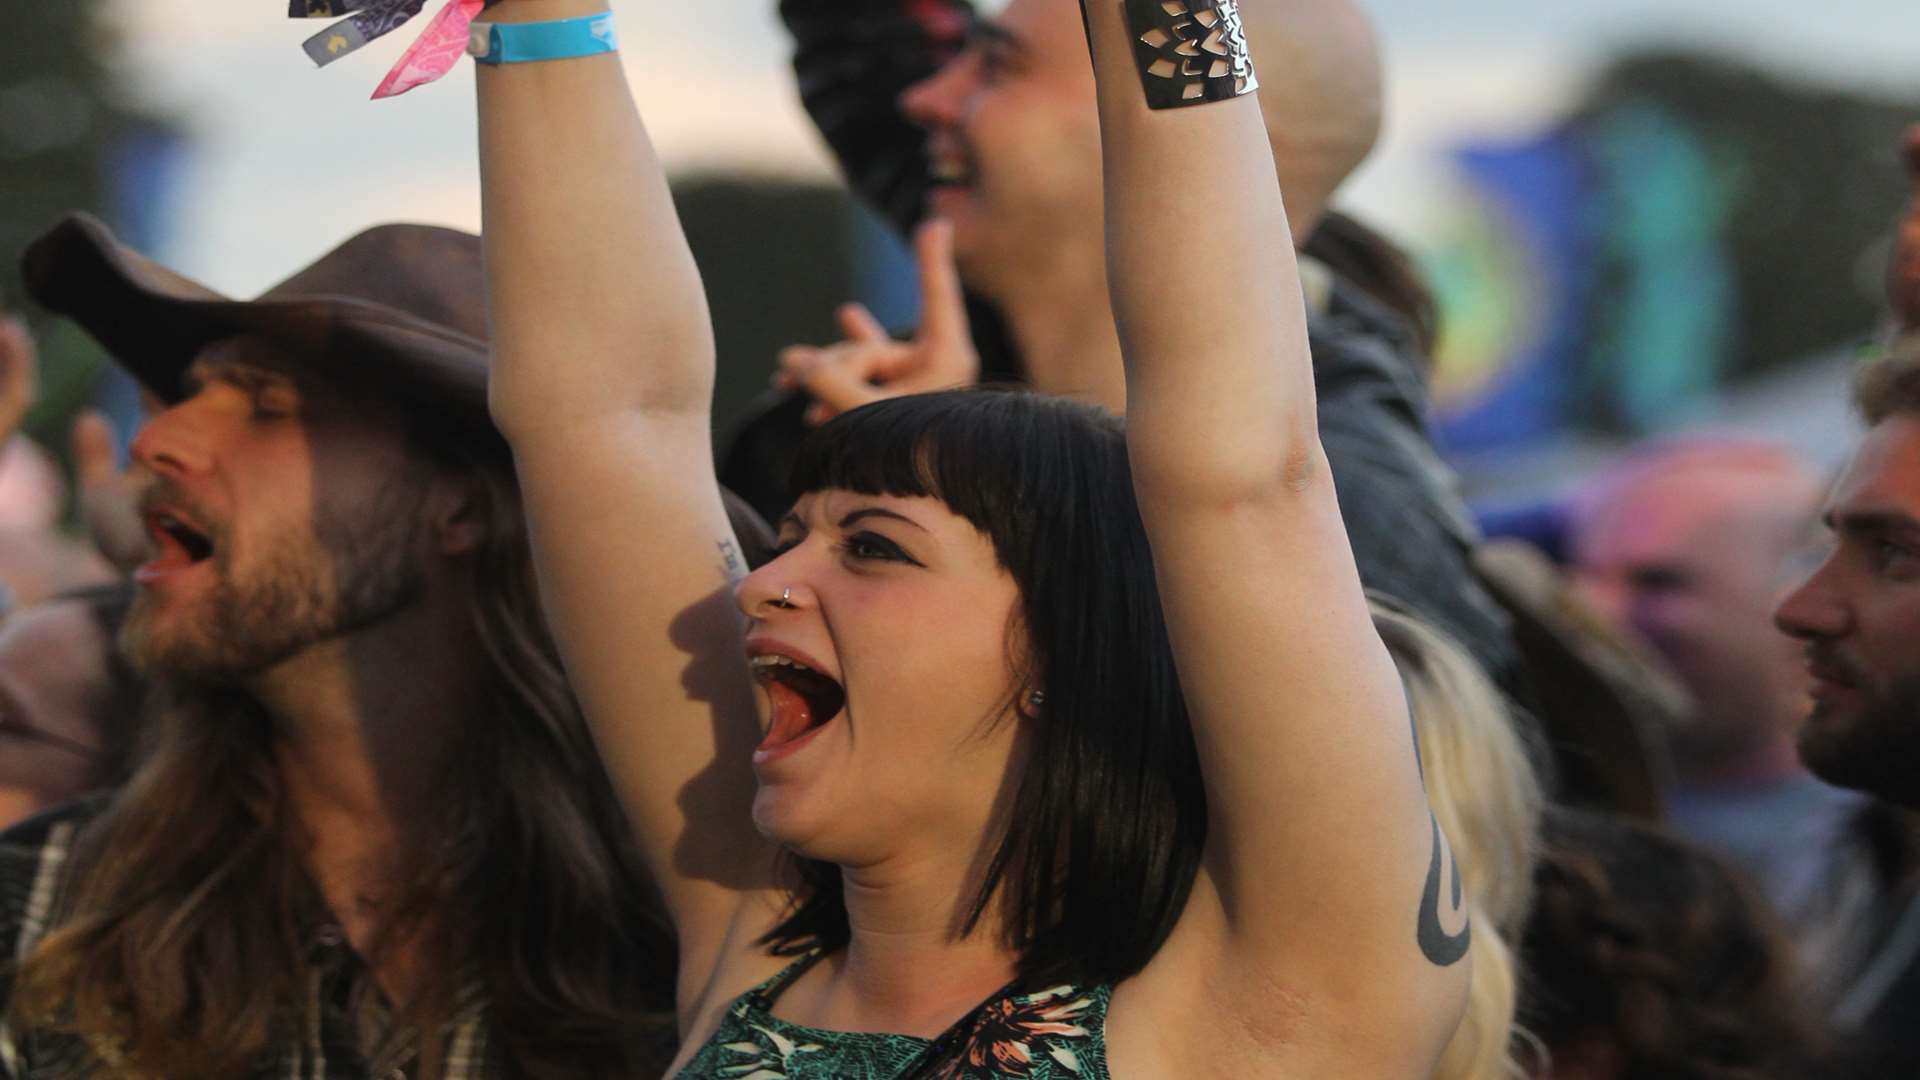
x,y
786,598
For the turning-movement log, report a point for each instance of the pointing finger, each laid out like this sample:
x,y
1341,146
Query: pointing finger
x,y
838,387
943,305
94,459
859,324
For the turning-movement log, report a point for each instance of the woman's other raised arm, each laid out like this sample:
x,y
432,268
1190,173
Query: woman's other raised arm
x,y
1308,924
602,382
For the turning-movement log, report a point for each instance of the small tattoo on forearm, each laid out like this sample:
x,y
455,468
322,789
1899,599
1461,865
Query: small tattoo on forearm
x,y
731,562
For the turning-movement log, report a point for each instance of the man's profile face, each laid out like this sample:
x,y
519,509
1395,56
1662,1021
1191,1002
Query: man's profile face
x,y
1859,619
1014,140
281,514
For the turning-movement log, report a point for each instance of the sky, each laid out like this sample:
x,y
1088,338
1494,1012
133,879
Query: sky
x,y
287,160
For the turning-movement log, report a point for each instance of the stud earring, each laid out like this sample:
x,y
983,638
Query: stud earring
x,y
1037,698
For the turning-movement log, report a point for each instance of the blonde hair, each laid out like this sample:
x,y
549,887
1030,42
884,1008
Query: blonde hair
x,y
1488,799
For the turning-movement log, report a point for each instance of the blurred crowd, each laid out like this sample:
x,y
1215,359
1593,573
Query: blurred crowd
x,y
295,783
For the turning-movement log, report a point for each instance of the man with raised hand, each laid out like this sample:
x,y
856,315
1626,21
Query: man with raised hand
x,y
988,125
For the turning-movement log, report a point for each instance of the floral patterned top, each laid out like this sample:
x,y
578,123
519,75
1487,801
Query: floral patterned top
x,y
1056,1034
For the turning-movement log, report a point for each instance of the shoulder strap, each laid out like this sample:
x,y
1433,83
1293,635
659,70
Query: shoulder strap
x,y
952,1044
769,992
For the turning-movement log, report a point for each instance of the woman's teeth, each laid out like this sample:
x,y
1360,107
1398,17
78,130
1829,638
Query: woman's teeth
x,y
770,660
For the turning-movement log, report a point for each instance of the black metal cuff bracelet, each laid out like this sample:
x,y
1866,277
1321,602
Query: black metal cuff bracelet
x,y
1190,52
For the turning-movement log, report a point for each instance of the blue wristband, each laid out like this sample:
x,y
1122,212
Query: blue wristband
x,y
560,39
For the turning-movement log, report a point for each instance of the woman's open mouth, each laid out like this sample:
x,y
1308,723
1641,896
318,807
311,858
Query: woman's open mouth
x,y
803,702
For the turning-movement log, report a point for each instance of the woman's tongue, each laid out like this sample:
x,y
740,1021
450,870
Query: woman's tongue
x,y
792,715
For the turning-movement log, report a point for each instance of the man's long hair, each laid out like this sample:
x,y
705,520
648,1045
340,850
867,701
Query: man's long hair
x,y
182,943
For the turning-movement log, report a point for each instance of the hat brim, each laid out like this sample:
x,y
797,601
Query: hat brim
x,y
154,322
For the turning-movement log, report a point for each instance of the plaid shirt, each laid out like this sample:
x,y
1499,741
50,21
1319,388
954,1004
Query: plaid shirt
x,y
342,1030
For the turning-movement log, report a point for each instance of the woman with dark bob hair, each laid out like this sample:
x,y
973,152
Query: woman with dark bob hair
x,y
1047,746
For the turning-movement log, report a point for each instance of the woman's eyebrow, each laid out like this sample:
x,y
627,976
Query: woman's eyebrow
x,y
857,516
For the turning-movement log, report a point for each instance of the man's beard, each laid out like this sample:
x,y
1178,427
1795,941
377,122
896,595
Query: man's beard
x,y
299,591
1876,749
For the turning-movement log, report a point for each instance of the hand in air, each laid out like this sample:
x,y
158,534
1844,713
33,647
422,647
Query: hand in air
x,y
106,496
19,375
1903,276
870,365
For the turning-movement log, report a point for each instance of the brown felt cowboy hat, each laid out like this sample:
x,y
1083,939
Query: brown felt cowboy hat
x,y
400,306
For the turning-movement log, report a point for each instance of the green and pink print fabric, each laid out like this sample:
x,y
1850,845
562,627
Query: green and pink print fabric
x,y
1056,1034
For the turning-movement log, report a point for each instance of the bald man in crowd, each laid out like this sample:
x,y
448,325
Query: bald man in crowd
x,y
980,135
1688,546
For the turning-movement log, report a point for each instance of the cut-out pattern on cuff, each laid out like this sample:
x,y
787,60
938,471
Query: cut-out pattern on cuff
x,y
1190,52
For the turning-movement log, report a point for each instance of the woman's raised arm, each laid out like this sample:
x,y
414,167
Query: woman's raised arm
x,y
1309,921
602,382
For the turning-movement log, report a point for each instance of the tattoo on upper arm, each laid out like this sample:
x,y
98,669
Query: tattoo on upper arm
x,y
1190,52
731,562
1442,947
1443,876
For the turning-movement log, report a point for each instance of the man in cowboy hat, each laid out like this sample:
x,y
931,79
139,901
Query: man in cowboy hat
x,y
369,836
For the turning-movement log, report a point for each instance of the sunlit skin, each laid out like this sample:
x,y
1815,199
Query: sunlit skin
x,y
1691,552
52,671
1858,617
905,605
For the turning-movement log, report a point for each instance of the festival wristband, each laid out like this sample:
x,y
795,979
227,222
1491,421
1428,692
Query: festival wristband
x,y
431,56
1190,52
372,19
322,9
559,39
436,52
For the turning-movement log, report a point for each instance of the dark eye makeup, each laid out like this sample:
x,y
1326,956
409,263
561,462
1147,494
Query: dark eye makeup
x,y
873,546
